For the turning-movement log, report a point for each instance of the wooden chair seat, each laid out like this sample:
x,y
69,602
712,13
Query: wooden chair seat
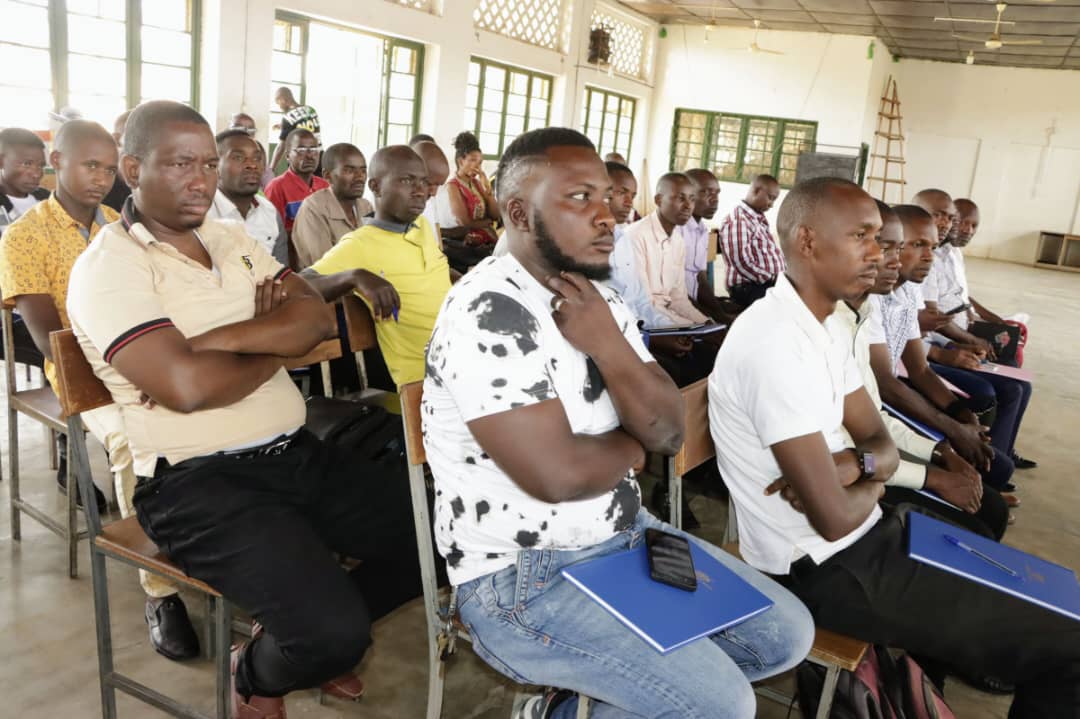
x,y
127,540
42,405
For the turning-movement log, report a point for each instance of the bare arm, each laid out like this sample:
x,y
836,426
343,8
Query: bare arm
x,y
40,315
378,292
832,508
279,152
984,313
863,422
555,465
290,329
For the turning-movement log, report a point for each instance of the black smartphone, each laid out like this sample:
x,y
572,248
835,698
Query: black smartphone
x,y
669,560
957,310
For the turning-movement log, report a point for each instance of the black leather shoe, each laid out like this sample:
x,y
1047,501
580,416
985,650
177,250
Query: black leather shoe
x,y
171,632
61,483
1023,462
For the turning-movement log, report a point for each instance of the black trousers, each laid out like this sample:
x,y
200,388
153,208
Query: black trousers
x,y
747,293
990,521
263,532
874,592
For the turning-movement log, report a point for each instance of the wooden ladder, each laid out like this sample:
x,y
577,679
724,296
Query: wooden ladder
x,y
890,133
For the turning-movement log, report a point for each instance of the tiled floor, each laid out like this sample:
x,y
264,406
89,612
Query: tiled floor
x,y
49,666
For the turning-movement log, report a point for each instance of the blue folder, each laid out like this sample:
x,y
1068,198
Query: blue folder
x,y
914,424
664,616
1041,582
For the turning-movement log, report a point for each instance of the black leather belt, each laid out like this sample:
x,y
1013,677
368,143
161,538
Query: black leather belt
x,y
270,449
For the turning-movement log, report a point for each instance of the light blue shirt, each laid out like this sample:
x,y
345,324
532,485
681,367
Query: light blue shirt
x,y
627,282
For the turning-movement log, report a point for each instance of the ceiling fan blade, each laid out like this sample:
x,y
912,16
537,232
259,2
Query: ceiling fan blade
x,y
972,19
1021,42
771,52
970,38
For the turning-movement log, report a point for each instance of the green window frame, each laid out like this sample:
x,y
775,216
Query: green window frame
x,y
502,101
102,55
402,78
736,147
609,121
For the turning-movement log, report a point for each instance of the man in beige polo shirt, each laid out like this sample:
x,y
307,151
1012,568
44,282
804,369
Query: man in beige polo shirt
x,y
332,212
196,316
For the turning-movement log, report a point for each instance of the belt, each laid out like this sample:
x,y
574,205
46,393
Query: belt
x,y
270,449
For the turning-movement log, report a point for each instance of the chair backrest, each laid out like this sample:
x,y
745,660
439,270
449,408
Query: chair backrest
x,y
78,388
411,394
358,324
8,329
324,351
698,445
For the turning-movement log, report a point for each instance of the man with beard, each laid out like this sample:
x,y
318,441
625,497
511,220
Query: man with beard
x,y
784,394
198,317
329,214
239,176
938,467
288,191
660,250
533,345
393,262
899,339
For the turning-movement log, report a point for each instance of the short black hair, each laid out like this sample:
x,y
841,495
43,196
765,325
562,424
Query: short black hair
x,y
614,167
296,134
912,213
697,172
669,177
884,209
420,137
803,201
77,132
333,154
528,147
19,137
224,135
464,143
764,178
149,119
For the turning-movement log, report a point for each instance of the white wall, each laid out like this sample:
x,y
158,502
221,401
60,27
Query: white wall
x,y
820,77
240,55
981,132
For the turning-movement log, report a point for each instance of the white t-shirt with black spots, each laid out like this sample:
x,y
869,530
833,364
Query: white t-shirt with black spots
x,y
495,347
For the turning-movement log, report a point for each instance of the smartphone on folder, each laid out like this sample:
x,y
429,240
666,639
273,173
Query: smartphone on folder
x,y
669,560
962,308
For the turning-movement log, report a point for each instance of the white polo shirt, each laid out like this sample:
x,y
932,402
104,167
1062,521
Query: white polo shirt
x,y
496,347
780,374
262,223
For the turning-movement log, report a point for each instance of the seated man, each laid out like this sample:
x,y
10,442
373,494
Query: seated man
x,y
245,122
289,190
329,214
36,256
938,468
119,191
22,165
239,174
660,252
753,259
696,234
955,353
438,169
531,345
781,396
899,339
393,262
199,318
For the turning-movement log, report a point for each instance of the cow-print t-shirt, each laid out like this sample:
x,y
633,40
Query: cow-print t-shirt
x,y
495,347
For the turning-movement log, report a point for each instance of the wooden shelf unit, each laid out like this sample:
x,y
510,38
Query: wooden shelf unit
x,y
1058,251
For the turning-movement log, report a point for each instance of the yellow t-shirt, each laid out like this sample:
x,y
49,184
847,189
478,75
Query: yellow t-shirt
x,y
410,259
37,252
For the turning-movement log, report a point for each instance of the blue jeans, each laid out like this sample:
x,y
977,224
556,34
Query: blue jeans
x,y
532,625
1012,397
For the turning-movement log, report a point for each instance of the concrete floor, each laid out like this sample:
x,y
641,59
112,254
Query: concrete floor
x,y
49,666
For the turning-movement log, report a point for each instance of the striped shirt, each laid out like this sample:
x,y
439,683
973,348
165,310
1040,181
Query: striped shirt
x,y
749,249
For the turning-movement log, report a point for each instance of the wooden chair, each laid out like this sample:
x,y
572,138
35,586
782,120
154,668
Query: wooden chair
x,y
443,626
830,650
125,541
42,405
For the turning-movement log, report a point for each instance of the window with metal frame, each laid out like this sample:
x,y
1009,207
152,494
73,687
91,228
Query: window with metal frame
x,y
736,147
503,101
397,116
631,41
545,23
99,57
609,121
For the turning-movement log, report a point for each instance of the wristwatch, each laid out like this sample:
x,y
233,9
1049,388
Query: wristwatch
x,y
867,465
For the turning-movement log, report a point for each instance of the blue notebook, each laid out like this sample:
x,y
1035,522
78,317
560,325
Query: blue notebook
x,y
914,424
664,616
1041,582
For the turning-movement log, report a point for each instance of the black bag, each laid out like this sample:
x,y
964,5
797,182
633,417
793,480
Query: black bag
x,y
367,429
1005,339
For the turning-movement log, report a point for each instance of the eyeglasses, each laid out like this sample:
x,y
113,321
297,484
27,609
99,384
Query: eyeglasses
x,y
307,150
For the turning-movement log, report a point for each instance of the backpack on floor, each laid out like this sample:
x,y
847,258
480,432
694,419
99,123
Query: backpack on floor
x,y
880,688
367,429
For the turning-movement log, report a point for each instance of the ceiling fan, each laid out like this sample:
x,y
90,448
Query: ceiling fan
x,y
754,47
994,42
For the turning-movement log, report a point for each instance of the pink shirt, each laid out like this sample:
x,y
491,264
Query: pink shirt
x,y
660,260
